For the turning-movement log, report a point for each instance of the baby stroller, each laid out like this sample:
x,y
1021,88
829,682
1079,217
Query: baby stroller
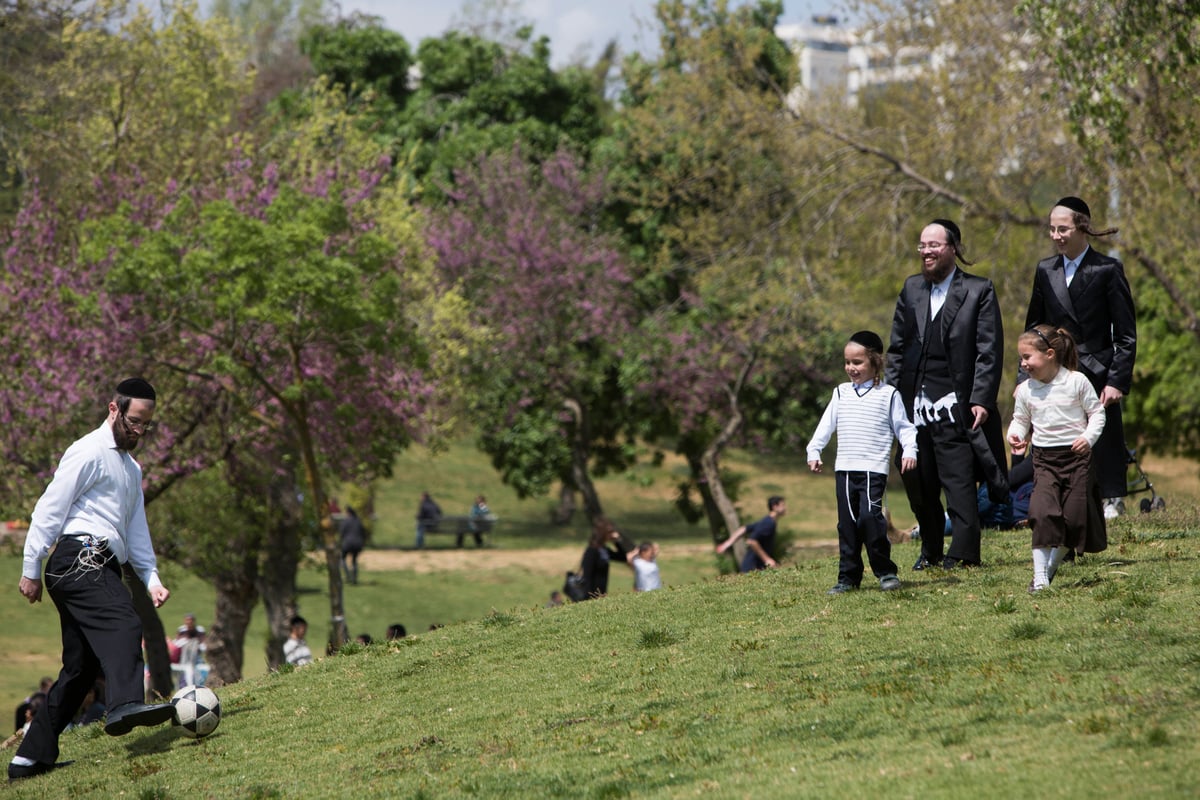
x,y
1142,484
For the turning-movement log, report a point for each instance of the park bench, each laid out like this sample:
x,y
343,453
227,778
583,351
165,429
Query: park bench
x,y
462,525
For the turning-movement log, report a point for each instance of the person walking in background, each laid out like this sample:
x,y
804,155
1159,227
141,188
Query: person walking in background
x,y
866,415
93,517
354,539
429,514
1059,411
760,538
946,356
605,545
1086,293
646,577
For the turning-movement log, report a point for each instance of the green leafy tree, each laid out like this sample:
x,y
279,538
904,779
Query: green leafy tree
x,y
549,298
1134,114
278,282
126,88
709,191
476,97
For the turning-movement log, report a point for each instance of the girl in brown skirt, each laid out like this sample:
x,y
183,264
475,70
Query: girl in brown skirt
x,y
1058,410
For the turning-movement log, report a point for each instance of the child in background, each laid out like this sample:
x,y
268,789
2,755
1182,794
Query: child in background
x,y
645,568
1058,410
866,414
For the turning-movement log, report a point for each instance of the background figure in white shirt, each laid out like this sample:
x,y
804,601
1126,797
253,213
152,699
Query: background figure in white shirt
x,y
646,577
1059,411
295,649
93,517
190,645
866,414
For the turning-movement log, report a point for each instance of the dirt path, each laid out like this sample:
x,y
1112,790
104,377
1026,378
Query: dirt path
x,y
542,561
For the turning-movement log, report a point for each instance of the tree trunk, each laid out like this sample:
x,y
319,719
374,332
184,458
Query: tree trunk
x,y
722,515
226,639
277,580
580,439
162,683
339,631
717,504
566,505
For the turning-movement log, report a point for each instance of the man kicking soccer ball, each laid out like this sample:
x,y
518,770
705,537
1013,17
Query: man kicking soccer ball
x,y
93,515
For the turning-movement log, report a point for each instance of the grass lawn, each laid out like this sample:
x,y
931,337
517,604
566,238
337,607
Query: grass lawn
x,y
959,685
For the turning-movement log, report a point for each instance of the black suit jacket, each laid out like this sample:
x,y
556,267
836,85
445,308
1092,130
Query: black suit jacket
x,y
972,334
1097,309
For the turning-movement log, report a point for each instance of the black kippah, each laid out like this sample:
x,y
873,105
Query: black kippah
x,y
1076,205
137,388
869,340
952,229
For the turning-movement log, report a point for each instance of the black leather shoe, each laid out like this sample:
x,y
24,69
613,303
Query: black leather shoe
x,y
951,563
922,563
17,772
124,718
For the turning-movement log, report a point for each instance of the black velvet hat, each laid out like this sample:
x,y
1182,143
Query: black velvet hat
x,y
137,388
868,339
1076,205
952,229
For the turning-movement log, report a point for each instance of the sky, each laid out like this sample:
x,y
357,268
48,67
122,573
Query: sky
x,y
575,27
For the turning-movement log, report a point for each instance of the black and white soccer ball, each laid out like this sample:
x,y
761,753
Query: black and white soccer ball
x,y
197,710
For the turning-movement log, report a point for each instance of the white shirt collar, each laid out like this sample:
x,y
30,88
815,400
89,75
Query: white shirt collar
x,y
1077,260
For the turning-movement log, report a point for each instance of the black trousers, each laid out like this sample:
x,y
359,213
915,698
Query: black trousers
x,y
100,631
946,464
1110,456
861,524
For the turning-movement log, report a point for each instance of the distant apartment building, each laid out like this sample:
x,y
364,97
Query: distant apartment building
x,y
836,60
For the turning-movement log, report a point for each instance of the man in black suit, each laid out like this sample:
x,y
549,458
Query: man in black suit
x,y
1086,293
946,357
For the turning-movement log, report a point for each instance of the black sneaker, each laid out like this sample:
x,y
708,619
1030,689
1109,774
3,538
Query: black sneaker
x,y
841,588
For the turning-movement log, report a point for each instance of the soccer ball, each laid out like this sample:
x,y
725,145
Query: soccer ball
x,y
197,709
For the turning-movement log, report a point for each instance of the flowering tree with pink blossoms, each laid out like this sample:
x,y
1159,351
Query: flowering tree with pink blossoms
x,y
274,284
265,303
550,297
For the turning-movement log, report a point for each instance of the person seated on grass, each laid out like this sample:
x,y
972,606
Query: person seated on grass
x,y
760,538
295,649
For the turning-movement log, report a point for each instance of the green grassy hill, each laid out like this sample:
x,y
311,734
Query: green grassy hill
x,y
959,685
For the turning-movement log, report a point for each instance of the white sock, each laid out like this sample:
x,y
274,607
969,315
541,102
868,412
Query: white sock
x,y
22,761
1057,554
1041,562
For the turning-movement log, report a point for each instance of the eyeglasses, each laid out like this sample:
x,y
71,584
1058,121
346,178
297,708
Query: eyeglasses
x,y
139,426
930,247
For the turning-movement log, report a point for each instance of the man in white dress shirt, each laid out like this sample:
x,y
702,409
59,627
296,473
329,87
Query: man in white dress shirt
x,y
90,520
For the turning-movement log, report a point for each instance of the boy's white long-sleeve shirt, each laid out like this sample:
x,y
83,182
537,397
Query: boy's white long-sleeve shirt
x,y
866,418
